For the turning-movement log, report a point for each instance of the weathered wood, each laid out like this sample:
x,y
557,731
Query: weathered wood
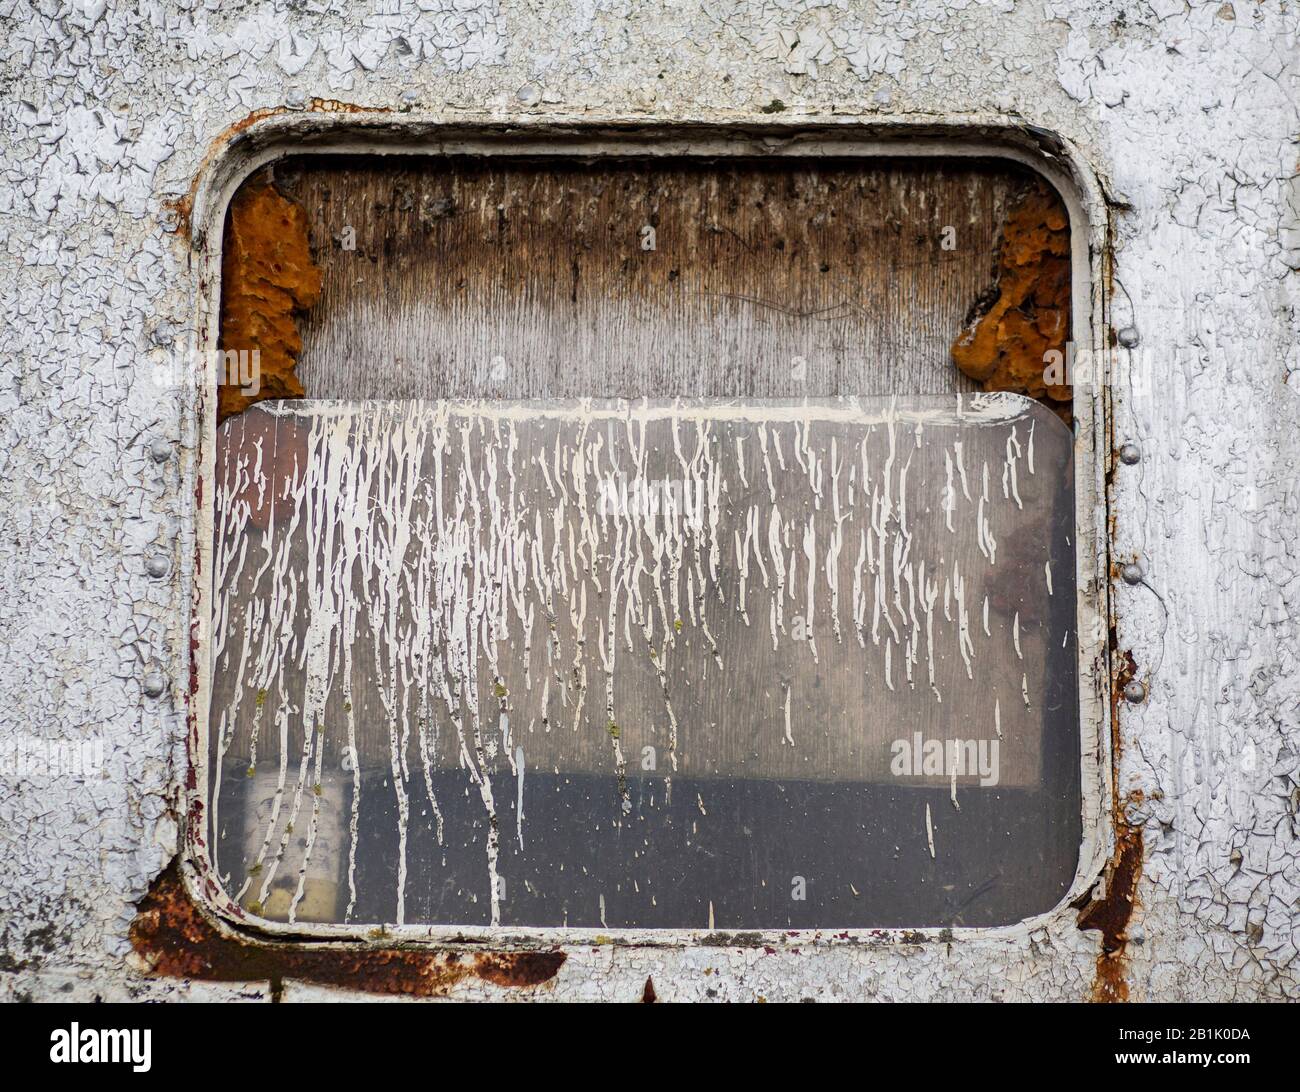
x,y
530,278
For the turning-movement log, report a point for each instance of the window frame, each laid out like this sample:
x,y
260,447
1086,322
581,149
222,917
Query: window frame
x,y
250,148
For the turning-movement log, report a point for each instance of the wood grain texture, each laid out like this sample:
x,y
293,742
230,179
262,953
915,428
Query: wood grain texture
x,y
529,278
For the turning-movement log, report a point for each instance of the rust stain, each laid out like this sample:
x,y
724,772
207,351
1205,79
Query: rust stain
x,y
183,205
1127,671
648,995
176,940
518,969
1025,314
182,209
268,278
337,106
1110,915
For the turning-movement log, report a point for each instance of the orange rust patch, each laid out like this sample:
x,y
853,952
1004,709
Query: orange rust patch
x,y
518,968
267,278
1025,314
228,135
337,106
1125,674
1110,915
182,208
175,939
648,995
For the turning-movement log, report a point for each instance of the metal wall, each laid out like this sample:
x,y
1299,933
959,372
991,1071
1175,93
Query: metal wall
x,y
1172,127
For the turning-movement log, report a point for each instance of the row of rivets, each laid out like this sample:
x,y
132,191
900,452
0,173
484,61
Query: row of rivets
x,y
1132,573
157,565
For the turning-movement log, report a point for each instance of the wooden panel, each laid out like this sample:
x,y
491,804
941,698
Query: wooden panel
x,y
528,278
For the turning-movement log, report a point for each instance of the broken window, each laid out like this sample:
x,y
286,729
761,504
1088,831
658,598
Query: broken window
x,y
639,557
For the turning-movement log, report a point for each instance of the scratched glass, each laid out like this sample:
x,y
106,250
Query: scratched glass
x,y
691,665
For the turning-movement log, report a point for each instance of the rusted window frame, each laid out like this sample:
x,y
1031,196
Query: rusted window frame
x,y
326,130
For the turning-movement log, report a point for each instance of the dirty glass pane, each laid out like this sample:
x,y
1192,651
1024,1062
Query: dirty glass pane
x,y
663,664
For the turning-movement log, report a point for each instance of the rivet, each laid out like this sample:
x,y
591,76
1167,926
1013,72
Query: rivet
x,y
295,100
166,334
154,684
160,450
1135,692
1128,337
1130,454
529,95
157,565
1132,573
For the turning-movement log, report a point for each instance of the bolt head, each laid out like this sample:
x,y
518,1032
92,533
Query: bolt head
x,y
1132,573
154,684
165,334
1135,692
1128,337
1130,454
157,565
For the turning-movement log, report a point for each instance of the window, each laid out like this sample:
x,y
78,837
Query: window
x,y
638,556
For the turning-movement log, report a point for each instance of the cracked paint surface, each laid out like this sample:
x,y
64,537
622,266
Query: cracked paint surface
x,y
1188,113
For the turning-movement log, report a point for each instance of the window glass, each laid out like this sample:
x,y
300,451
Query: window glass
x,y
732,664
